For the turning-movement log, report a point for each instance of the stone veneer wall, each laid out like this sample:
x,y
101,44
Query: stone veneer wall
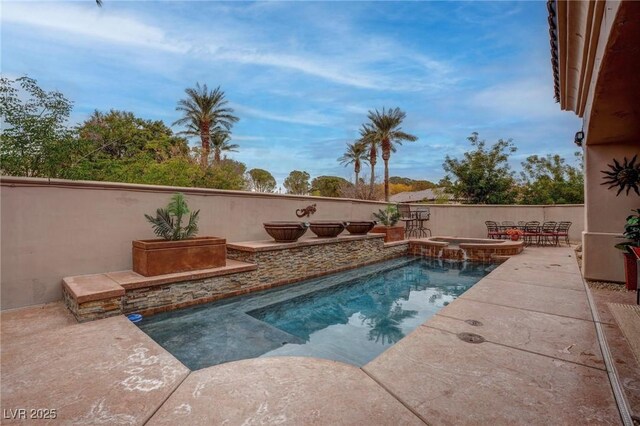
x,y
275,268
289,265
94,310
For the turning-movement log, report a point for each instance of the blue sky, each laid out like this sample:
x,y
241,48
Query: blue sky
x,y
302,75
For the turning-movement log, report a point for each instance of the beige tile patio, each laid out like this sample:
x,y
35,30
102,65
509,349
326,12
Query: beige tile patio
x,y
544,278
448,381
19,323
552,335
558,301
284,390
102,372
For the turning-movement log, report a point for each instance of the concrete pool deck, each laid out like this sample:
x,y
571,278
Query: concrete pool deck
x,y
540,363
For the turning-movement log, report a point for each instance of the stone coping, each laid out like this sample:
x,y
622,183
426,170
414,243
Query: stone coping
x,y
90,288
395,243
501,244
271,245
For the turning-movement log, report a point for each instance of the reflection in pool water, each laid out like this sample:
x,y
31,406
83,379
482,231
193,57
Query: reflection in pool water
x,y
351,316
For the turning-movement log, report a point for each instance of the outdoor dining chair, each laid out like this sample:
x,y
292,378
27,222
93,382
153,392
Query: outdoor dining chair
x,y
493,230
422,216
531,233
548,234
562,231
410,222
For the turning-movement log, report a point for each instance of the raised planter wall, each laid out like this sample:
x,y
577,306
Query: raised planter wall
x,y
253,266
52,229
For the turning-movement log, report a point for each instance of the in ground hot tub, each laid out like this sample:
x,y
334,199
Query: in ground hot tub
x,y
459,248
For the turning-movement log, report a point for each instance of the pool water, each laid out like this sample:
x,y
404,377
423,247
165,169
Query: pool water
x,y
350,316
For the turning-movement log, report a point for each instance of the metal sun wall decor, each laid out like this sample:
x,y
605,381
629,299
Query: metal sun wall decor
x,y
625,175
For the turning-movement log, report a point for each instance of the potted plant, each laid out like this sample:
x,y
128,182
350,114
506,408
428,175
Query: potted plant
x,y
631,233
178,249
388,218
514,233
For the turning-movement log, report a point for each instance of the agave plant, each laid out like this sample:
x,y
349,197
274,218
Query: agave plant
x,y
168,222
389,216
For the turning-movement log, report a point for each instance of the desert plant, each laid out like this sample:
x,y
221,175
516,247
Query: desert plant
x,y
631,232
168,222
389,216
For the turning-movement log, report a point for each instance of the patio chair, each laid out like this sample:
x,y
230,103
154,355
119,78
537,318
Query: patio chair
x,y
422,216
410,222
548,233
521,224
493,231
531,233
563,231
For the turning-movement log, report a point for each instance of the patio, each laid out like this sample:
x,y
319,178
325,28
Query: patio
x,y
540,363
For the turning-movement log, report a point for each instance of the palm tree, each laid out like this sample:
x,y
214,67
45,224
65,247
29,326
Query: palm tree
x,y
371,143
220,140
356,154
202,111
386,129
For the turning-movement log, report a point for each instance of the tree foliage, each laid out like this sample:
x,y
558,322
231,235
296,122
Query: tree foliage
x,y
34,140
356,154
550,180
204,110
261,180
483,175
385,128
297,183
328,186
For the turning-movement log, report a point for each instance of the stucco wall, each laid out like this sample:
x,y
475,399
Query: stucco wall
x,y
53,229
606,213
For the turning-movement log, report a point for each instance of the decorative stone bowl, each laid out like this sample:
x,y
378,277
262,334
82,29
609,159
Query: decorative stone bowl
x,y
360,227
285,232
327,228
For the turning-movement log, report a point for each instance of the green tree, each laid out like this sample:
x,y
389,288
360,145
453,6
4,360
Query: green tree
x,y
228,174
221,142
355,154
416,185
550,180
483,175
261,180
35,140
120,147
386,129
328,186
203,110
297,183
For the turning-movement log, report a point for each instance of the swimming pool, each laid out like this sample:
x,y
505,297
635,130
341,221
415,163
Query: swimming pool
x,y
350,316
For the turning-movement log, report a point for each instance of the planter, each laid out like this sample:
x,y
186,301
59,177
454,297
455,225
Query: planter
x,y
159,257
631,271
327,228
515,237
360,227
285,232
391,233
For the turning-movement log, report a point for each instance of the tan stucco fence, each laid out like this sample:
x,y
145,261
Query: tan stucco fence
x,y
56,228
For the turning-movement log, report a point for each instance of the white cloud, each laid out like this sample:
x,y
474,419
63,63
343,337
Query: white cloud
x,y
89,21
524,99
311,118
